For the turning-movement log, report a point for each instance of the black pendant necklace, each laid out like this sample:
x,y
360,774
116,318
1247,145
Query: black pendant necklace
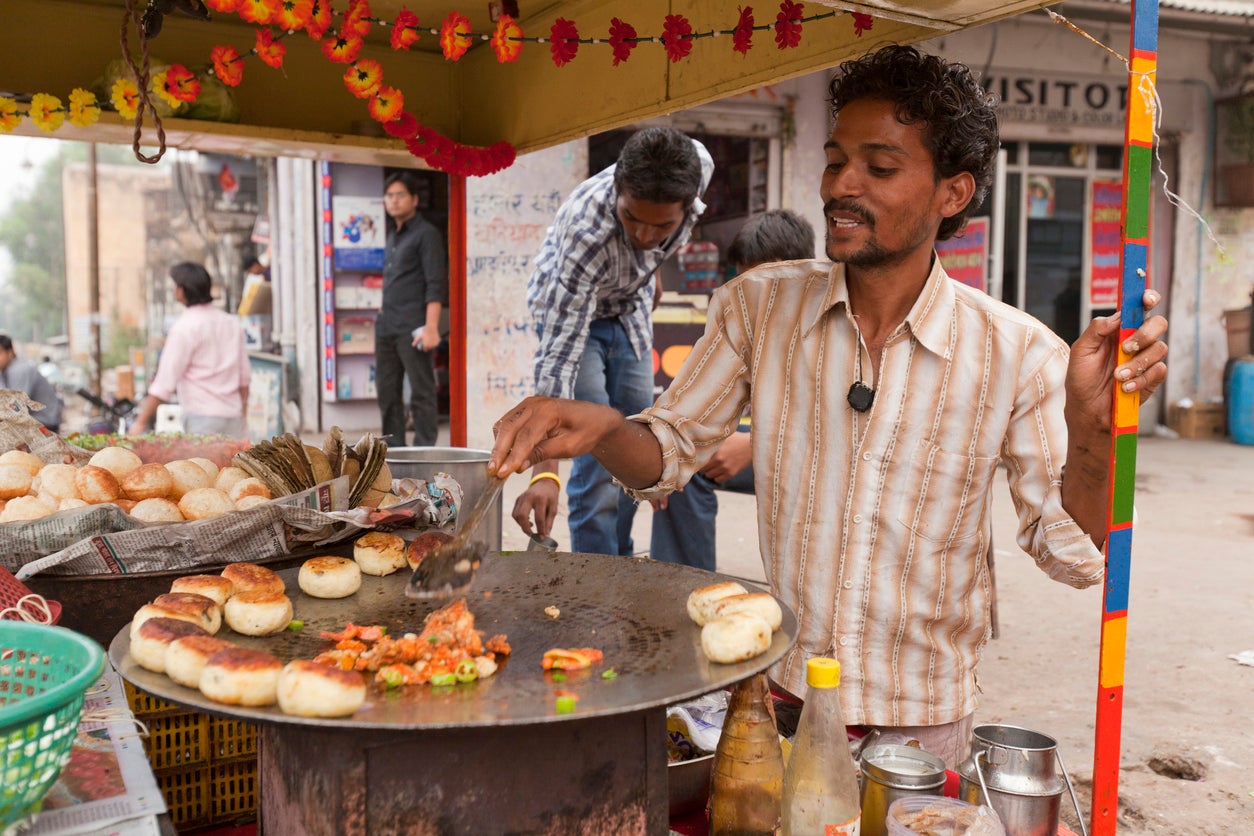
x,y
860,395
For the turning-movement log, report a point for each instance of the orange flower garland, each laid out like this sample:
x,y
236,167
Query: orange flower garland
x,y
10,116
227,66
342,50
405,30
258,11
224,6
386,104
357,21
320,20
455,36
46,112
294,14
507,40
125,98
363,78
84,112
269,50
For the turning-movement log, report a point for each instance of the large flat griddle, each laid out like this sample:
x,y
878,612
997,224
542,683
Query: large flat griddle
x,y
632,609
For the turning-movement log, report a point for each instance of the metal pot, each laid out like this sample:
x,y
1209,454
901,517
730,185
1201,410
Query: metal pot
x,y
890,772
1012,770
468,466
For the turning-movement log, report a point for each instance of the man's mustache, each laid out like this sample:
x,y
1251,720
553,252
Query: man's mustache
x,y
849,207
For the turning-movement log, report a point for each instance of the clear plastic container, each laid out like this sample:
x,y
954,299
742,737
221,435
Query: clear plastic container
x,y
938,815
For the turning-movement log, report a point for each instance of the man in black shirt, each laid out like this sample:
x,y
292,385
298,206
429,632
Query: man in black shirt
x,y
407,330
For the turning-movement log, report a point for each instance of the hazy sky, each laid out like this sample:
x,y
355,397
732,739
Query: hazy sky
x,y
20,157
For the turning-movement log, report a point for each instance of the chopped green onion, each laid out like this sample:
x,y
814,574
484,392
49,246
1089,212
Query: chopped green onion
x,y
392,678
559,677
295,624
565,705
466,671
443,679
383,629
609,674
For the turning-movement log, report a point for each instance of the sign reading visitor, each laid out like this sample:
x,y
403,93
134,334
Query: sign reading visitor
x,y
965,256
1104,271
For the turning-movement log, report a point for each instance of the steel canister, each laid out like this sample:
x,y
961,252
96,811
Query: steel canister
x,y
890,772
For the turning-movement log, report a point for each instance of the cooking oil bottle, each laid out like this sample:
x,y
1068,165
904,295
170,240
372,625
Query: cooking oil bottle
x,y
747,776
821,785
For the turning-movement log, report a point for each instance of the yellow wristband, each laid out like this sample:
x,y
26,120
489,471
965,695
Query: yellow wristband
x,y
548,474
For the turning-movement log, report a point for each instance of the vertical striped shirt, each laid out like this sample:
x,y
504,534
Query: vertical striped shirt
x,y
873,526
586,269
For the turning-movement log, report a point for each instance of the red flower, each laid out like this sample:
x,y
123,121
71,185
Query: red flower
x,y
386,104
788,24
227,65
357,19
342,50
441,153
422,143
320,20
363,78
565,41
742,37
181,83
294,14
268,49
622,40
224,6
862,23
403,127
455,36
258,11
674,37
405,29
507,40
500,156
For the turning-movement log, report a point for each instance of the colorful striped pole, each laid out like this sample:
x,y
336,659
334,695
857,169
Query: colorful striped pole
x,y
1137,173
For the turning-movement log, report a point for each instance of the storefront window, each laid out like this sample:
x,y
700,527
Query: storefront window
x,y
1055,154
1110,157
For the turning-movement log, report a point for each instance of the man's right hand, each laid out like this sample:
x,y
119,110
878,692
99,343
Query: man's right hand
x,y
548,428
538,502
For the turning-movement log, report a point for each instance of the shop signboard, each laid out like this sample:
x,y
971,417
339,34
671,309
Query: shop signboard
x,y
1107,206
965,256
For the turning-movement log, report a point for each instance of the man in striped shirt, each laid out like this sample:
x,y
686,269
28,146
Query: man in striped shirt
x,y
883,396
591,298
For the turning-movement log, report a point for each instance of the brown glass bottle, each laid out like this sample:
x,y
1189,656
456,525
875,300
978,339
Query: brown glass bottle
x,y
747,778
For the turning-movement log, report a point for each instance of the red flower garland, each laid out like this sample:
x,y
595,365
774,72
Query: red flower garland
x,y
622,40
363,78
403,127
294,14
674,37
224,6
454,36
405,29
862,23
386,104
565,41
258,11
788,24
742,37
268,49
227,66
357,19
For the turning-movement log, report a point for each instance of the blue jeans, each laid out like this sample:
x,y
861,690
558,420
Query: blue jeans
x,y
609,373
684,531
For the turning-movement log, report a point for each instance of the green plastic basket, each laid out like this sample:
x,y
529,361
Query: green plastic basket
x,y
44,673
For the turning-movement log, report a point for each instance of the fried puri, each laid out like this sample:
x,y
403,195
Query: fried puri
x,y
215,587
185,657
250,577
258,613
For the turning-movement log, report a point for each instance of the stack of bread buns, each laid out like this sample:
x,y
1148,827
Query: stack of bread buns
x,y
736,624
186,489
176,634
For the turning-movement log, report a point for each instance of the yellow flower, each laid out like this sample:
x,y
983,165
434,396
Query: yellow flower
x,y
46,112
84,112
125,97
157,86
10,118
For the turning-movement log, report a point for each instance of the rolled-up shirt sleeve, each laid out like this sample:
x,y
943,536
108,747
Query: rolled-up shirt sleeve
x,y
1034,453
703,404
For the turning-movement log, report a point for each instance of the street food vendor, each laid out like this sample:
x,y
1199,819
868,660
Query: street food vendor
x,y
884,395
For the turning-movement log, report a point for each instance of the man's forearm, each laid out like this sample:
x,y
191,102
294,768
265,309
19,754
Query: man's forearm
x,y
632,454
433,317
1086,483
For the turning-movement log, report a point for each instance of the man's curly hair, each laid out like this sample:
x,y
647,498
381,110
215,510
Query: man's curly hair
x,y
958,116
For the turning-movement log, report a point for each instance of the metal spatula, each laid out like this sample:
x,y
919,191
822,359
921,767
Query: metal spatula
x,y
449,569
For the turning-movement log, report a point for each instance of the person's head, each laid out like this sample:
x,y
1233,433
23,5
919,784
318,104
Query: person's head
x,y
657,177
6,351
778,235
252,264
914,145
400,196
193,279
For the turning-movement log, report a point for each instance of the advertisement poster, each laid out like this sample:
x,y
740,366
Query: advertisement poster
x,y
1104,271
359,232
965,256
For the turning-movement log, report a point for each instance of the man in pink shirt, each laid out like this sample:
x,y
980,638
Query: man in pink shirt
x,y
203,361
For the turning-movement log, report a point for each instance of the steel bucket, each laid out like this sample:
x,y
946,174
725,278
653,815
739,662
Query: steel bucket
x,y
1012,770
468,466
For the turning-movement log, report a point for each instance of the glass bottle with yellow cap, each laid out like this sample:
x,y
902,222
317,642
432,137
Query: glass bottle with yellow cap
x,y
820,783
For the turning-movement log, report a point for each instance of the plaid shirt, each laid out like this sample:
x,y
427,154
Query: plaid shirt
x,y
586,269
874,526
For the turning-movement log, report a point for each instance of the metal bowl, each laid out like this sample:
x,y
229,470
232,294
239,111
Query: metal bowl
x,y
688,784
